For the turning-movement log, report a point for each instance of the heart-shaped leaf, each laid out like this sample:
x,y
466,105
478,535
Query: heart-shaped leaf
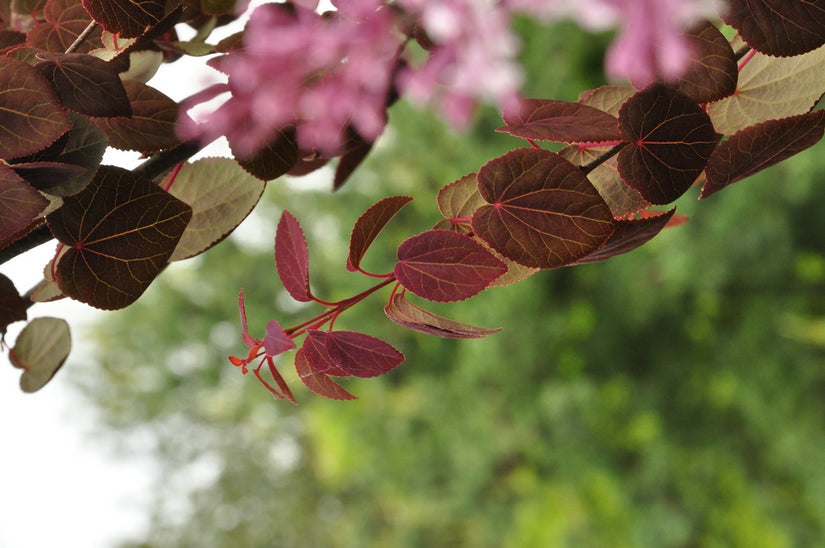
x,y
671,138
318,382
770,88
629,234
713,73
292,258
542,211
761,146
778,27
221,195
409,315
32,118
369,226
65,21
443,266
13,307
152,125
120,232
129,18
276,341
40,350
86,84
560,121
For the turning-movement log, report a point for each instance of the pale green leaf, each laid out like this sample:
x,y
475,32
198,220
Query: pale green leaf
x,y
40,350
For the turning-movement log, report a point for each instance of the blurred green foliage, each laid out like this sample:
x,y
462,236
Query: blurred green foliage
x,y
674,396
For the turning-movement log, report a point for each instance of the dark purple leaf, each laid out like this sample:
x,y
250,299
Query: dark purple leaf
x,y
629,234
778,27
542,211
760,146
13,307
560,121
670,140
713,74
128,18
86,84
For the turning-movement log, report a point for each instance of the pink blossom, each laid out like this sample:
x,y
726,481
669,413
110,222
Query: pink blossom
x,y
474,58
650,44
319,73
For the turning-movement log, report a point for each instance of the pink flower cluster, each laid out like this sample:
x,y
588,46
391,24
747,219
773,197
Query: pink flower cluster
x,y
323,73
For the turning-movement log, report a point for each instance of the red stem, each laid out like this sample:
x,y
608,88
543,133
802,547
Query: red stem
x,y
173,175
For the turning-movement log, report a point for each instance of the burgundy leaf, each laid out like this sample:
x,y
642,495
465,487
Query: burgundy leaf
x,y
778,27
45,175
671,138
542,211
443,266
128,18
120,232
560,121
318,356
761,146
292,258
13,307
713,74
65,20
276,340
32,117
318,382
629,234
20,204
369,225
349,161
361,355
275,159
86,84
404,313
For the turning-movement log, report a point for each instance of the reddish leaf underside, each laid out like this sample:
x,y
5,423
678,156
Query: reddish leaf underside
x,y
13,307
32,118
128,18
409,315
292,258
86,84
542,211
779,27
247,340
443,266
670,140
120,232
713,74
318,382
629,234
276,340
760,146
20,204
369,226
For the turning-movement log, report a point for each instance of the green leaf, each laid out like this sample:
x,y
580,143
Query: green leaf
x,y
771,88
120,232
221,195
32,118
40,350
